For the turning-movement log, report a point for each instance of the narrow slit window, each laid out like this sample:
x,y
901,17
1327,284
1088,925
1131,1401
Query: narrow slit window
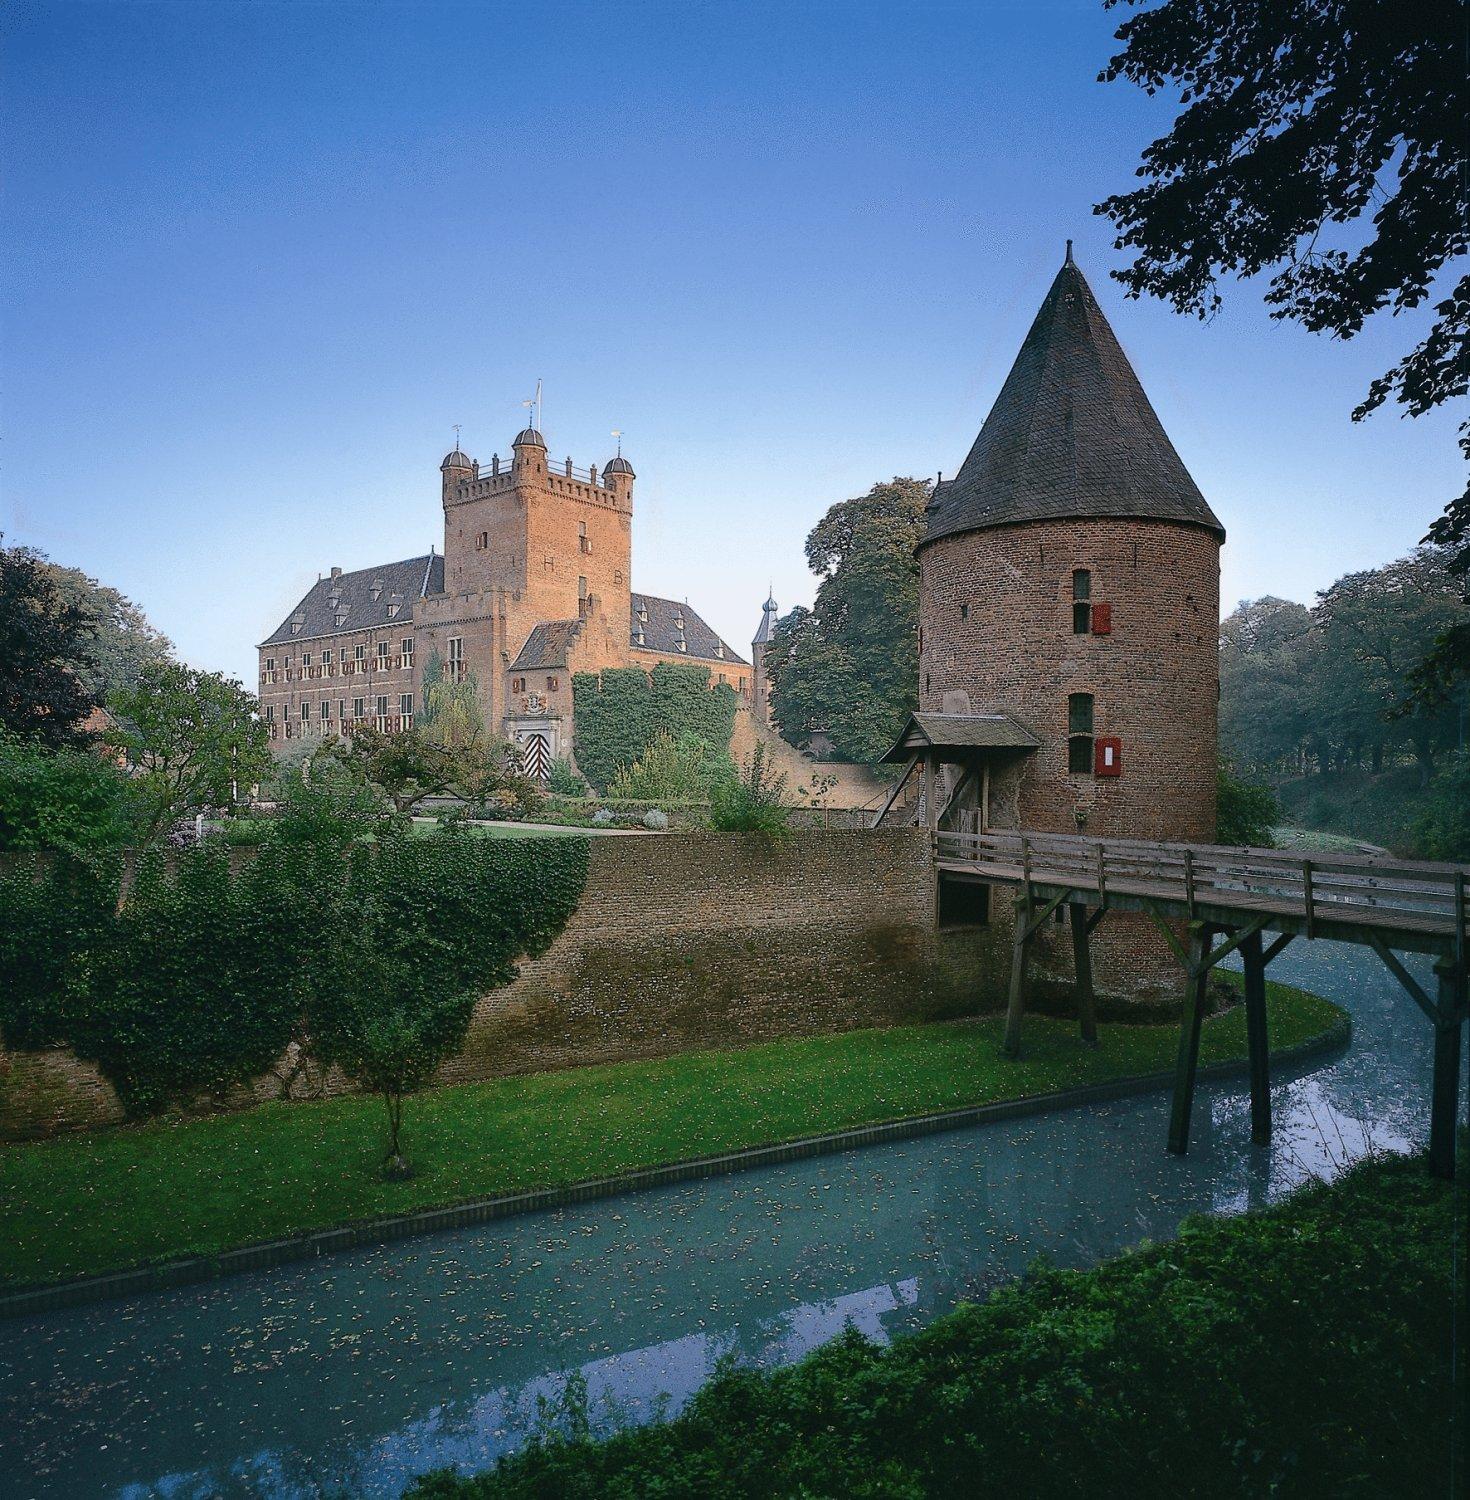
x,y
1079,733
1081,601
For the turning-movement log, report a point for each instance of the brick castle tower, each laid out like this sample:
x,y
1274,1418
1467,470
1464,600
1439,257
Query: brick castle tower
x,y
1070,577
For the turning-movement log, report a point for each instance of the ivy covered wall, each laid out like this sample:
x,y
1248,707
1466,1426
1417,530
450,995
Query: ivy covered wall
x,y
618,714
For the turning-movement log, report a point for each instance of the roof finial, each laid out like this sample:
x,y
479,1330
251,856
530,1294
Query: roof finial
x,y
1069,253
617,433
456,437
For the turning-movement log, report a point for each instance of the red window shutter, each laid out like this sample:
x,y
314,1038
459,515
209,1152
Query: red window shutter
x,y
1102,619
1107,756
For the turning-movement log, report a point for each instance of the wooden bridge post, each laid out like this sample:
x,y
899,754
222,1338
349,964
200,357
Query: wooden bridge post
x,y
1446,1088
1186,1067
1082,969
1257,1038
1016,998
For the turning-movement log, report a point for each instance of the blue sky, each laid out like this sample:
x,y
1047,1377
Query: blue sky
x,y
259,258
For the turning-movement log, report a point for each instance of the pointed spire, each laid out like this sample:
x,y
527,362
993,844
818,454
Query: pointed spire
x,y
1070,435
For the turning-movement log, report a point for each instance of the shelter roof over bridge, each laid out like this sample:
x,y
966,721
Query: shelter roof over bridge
x,y
954,736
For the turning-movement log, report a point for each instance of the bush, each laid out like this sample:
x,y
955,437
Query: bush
x,y
671,770
754,802
619,714
202,975
61,799
1302,1351
1443,829
1245,811
656,820
330,802
563,780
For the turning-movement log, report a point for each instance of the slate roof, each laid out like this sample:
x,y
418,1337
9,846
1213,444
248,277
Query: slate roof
x,y
546,646
661,633
410,579
1070,435
996,731
767,627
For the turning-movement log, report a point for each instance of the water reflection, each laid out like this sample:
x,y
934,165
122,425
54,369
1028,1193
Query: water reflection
x,y
355,1374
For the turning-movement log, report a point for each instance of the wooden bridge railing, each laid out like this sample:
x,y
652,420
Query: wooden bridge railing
x,y
1236,895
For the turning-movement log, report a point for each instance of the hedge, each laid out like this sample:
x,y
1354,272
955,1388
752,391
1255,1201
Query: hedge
x,y
209,968
618,713
1300,1351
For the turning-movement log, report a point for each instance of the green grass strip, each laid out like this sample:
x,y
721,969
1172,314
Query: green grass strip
x,y
84,1204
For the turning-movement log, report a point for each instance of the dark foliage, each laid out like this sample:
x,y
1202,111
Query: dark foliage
x,y
849,667
1302,1351
61,799
43,641
201,976
1245,811
1300,117
620,713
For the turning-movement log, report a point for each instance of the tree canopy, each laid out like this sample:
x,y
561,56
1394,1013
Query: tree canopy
x,y
1323,688
849,666
120,641
45,654
1322,140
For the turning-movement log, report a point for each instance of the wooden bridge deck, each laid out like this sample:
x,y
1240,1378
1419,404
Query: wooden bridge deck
x,y
1234,894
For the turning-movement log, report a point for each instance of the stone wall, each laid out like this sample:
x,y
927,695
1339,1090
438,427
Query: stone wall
x,y
681,942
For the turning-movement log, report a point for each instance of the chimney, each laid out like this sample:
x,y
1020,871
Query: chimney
x,y
336,572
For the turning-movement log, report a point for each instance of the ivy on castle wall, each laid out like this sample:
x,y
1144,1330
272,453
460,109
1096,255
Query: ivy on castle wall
x,y
199,979
619,714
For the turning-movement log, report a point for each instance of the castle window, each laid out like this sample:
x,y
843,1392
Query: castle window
x,y
552,683
1079,733
406,645
454,664
518,684
341,708
342,655
405,709
382,656
326,709
305,712
382,715
964,611
270,713
1081,605
359,658
326,658
482,542
582,540
358,708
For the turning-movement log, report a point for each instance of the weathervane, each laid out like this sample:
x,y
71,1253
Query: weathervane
x,y
617,433
456,437
534,402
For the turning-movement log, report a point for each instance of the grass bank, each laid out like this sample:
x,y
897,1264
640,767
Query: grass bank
x,y
80,1205
1300,1351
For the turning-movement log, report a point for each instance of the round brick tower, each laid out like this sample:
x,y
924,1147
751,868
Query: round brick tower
x,y
1070,581
1070,577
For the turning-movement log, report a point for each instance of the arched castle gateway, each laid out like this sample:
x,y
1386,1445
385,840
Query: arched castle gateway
x,y
534,585
1069,613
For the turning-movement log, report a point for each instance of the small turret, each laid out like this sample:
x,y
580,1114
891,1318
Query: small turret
x,y
618,476
760,687
458,468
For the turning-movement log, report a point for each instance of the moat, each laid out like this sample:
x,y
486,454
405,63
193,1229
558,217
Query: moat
x,y
356,1373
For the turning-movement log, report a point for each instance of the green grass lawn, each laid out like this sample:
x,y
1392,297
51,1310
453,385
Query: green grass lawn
x,y
422,828
90,1203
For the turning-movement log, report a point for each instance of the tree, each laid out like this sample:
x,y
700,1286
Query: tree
x,y
682,769
45,645
121,640
1245,811
1301,117
190,737
60,799
330,804
408,766
849,667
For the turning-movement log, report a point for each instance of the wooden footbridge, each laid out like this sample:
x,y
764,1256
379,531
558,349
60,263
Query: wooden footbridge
x,y
1254,901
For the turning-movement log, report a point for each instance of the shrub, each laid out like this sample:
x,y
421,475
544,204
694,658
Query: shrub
x,y
1443,829
656,820
332,803
602,817
1297,1351
1245,811
202,975
61,799
563,780
619,714
754,802
671,770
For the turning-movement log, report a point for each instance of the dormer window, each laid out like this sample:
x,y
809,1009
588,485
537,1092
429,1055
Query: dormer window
x,y
720,650
683,644
640,639
340,619
679,620
643,613
376,589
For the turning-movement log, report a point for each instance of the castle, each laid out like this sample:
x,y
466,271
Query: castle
x,y
533,585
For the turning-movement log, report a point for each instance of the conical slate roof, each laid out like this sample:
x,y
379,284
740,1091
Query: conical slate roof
x,y
1070,435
